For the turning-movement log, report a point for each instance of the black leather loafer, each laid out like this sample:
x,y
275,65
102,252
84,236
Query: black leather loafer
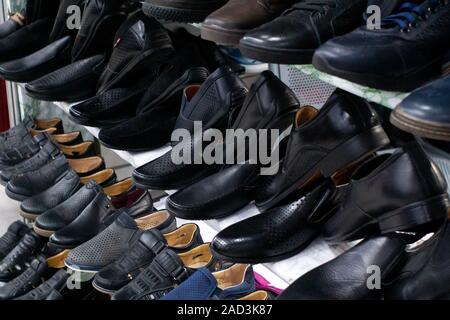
x,y
38,64
347,276
75,82
254,240
11,25
28,184
12,237
402,191
345,131
425,273
32,207
424,113
61,215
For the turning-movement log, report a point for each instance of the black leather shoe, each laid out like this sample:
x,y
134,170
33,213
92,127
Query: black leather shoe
x,y
22,127
16,261
48,152
344,132
255,239
293,37
181,11
21,147
116,240
101,19
60,29
382,59
19,44
401,191
119,273
14,23
347,277
38,64
32,207
167,270
61,215
226,92
425,274
29,184
12,237
424,112
56,283
270,104
141,46
72,83
70,233
27,281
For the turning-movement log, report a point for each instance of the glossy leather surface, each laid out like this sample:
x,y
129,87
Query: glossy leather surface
x,y
74,82
73,232
61,215
343,117
53,196
278,233
389,186
31,183
8,27
347,276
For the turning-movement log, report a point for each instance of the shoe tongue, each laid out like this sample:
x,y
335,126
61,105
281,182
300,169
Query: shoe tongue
x,y
305,115
126,221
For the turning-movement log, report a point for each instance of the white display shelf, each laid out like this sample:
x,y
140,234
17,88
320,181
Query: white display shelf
x,y
136,159
388,99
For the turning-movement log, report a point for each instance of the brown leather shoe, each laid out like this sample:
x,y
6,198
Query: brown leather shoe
x,y
230,23
181,10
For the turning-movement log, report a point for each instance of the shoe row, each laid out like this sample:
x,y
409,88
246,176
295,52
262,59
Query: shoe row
x,y
148,258
338,37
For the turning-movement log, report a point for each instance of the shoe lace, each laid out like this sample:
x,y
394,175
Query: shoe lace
x,y
410,14
315,6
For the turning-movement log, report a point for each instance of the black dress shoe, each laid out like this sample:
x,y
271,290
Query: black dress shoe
x,y
20,44
119,273
72,83
61,215
181,11
344,132
32,207
48,152
27,281
278,233
38,64
116,240
270,104
381,58
425,274
16,261
293,37
70,232
29,184
21,147
223,93
167,270
57,282
424,112
101,19
347,277
402,191
12,237
141,45
14,23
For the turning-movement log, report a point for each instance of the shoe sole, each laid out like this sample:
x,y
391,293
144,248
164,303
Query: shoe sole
x,y
42,232
278,56
15,196
222,36
420,127
102,290
404,83
348,153
402,219
176,14
29,216
76,269
57,261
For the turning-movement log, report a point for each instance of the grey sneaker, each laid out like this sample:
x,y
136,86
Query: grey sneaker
x,y
116,240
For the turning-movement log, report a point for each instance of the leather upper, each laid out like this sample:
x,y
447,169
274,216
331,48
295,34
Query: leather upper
x,y
11,238
57,282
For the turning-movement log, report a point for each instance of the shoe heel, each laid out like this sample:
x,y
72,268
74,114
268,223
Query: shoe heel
x,y
353,150
57,261
415,214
